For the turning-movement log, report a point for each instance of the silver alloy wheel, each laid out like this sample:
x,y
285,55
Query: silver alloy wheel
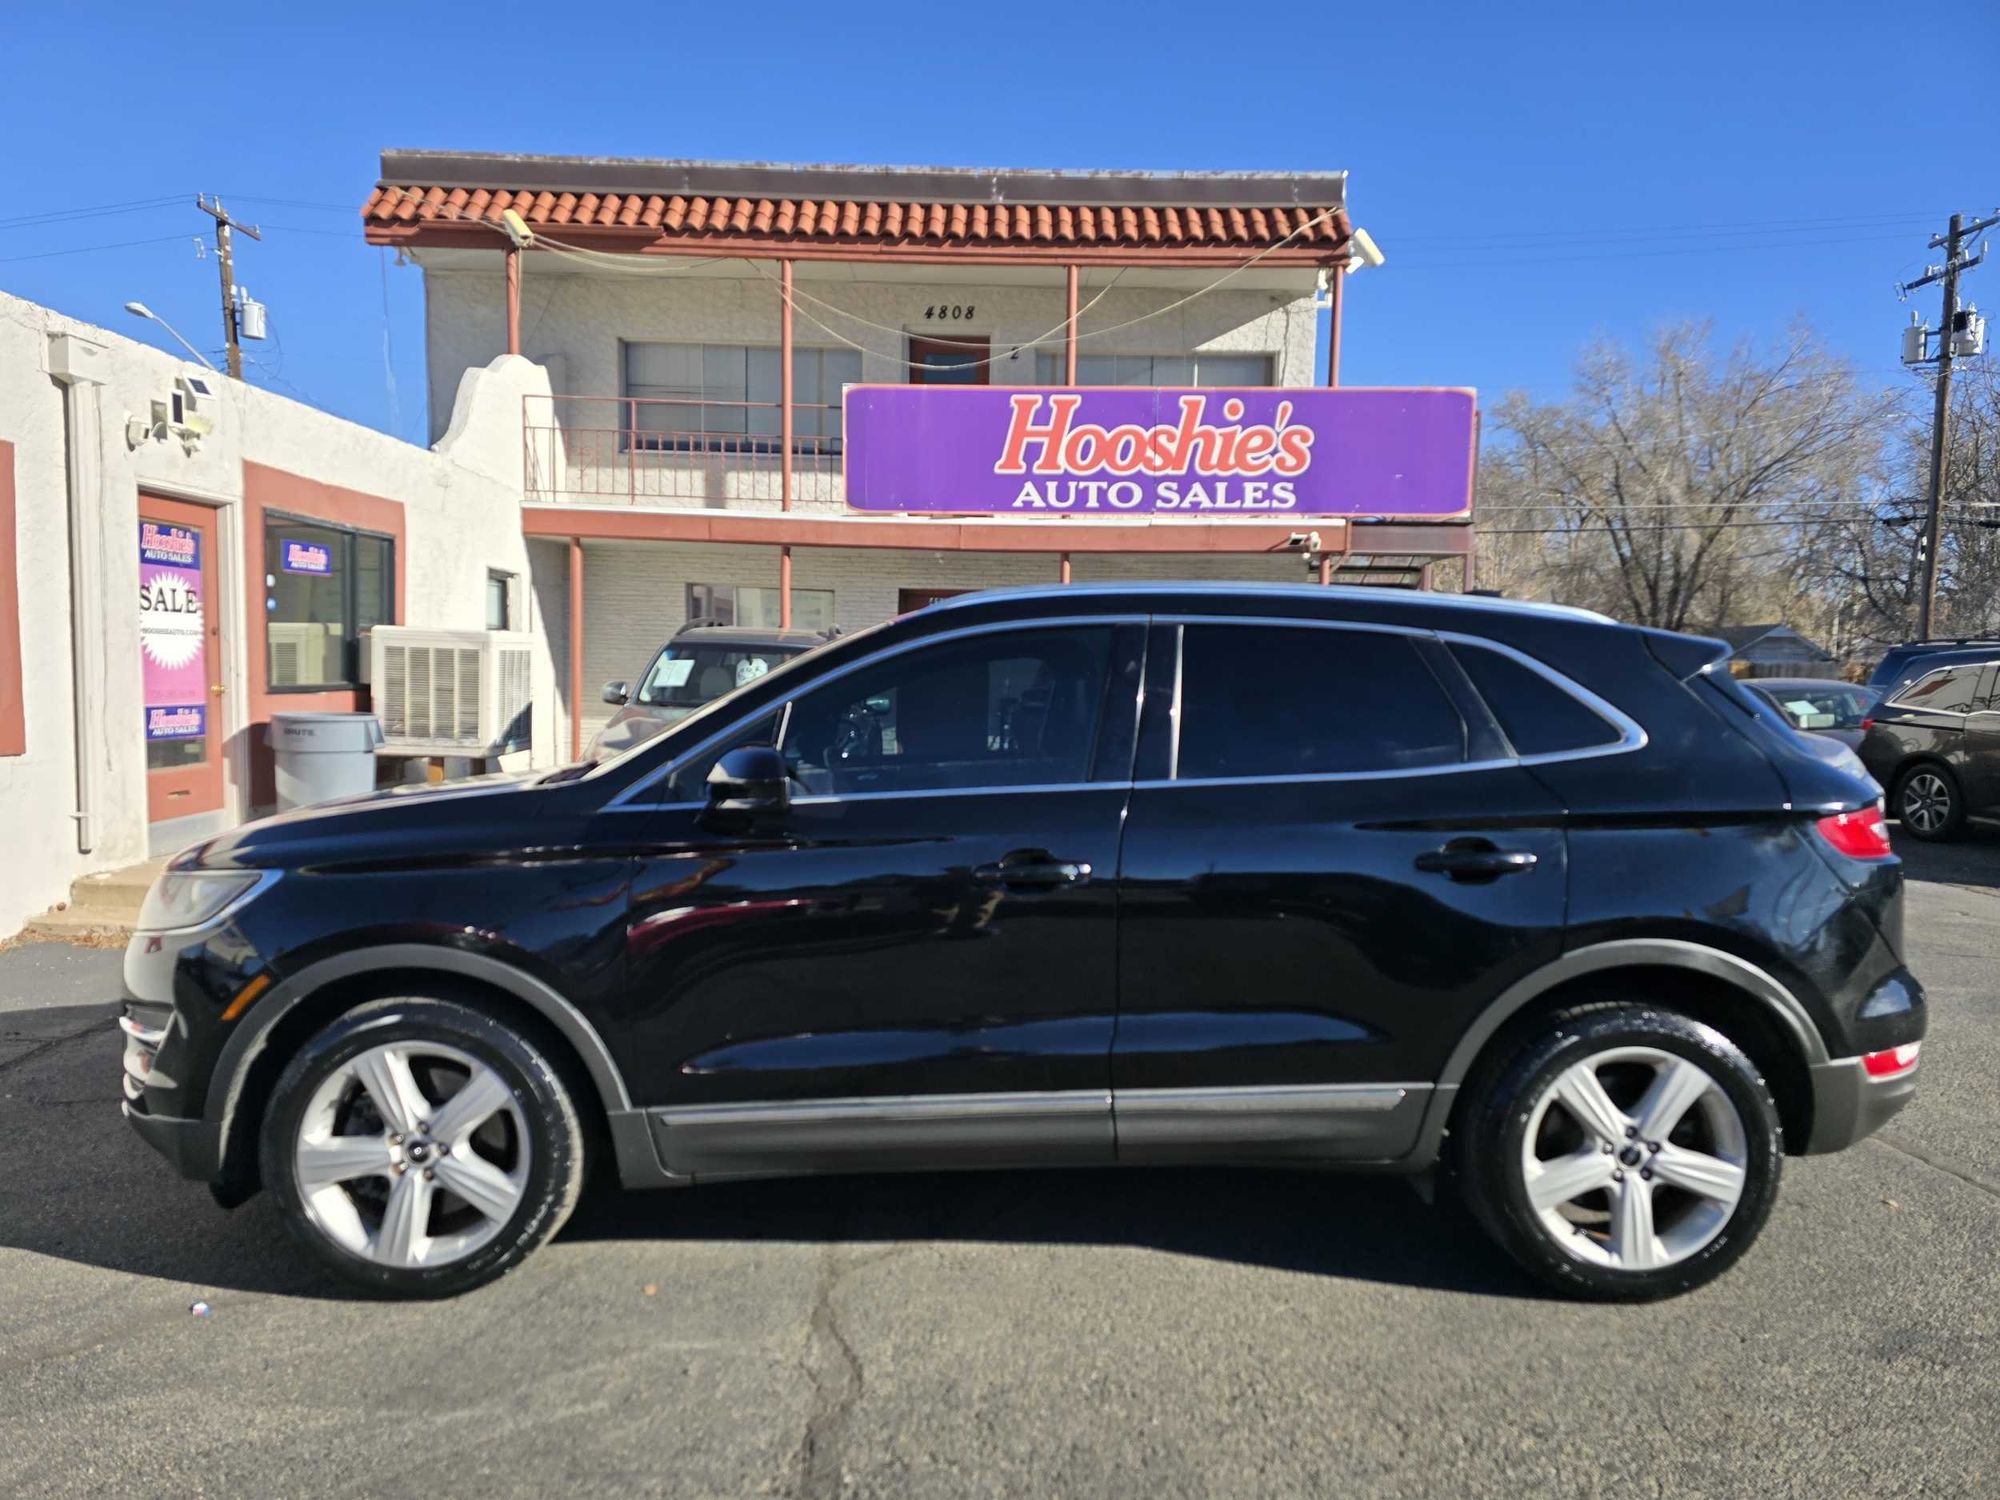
x,y
412,1154
1638,1185
1926,802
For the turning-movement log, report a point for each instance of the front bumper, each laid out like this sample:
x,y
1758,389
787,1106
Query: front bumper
x,y
1848,1104
193,1146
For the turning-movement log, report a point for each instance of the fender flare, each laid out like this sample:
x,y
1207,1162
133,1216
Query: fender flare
x,y
232,1064
1623,953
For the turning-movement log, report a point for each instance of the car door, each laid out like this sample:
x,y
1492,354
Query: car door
x,y
1332,860
915,963
1981,747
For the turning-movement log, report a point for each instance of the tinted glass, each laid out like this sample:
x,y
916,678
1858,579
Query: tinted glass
x,y
1947,692
1835,705
1269,701
995,710
1537,717
305,604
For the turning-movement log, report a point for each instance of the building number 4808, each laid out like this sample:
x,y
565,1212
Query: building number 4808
x,y
952,310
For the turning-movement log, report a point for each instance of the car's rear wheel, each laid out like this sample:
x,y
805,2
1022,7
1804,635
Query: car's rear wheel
x,y
420,1148
1928,803
1624,1153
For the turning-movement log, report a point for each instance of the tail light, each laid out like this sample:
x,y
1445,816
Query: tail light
x,y
1867,721
1861,834
1892,1063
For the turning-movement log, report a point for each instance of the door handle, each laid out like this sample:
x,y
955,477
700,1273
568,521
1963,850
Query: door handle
x,y
1475,860
1032,867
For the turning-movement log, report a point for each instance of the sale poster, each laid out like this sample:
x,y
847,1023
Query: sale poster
x,y
173,634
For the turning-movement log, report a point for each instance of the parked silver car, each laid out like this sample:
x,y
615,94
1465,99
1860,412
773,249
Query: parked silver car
x,y
699,665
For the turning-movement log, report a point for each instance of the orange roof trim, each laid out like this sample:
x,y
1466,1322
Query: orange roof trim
x,y
416,214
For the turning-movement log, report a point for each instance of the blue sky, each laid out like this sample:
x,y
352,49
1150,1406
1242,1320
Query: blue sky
x,y
1539,175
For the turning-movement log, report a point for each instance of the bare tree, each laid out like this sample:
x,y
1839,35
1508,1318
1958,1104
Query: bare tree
x,y
1673,489
1868,561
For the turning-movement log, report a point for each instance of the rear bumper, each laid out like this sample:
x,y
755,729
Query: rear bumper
x,y
1848,1104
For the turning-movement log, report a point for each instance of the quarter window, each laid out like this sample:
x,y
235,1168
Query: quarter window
x,y
1018,709
1537,717
323,586
1953,690
1262,700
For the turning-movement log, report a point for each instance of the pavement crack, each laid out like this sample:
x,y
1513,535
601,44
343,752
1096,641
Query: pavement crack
x,y
95,1028
834,1371
1939,1163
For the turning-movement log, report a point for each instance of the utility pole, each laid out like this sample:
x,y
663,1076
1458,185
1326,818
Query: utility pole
x,y
224,262
1952,243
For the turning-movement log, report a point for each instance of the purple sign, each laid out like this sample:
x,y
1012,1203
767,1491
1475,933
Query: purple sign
x,y
306,557
1145,451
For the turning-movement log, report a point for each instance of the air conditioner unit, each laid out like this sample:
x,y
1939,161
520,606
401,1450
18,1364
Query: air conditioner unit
x,y
451,692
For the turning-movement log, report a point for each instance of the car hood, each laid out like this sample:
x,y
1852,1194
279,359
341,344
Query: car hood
x,y
492,811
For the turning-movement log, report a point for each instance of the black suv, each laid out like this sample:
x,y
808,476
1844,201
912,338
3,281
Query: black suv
x,y
1083,876
1936,747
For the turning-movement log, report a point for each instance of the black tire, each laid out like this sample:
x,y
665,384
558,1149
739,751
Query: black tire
x,y
1919,790
1502,1103
537,1125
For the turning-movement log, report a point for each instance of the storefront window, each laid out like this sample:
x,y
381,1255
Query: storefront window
x,y
733,604
727,396
1156,369
323,586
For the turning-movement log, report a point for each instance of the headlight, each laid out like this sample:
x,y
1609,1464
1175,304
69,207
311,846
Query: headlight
x,y
188,898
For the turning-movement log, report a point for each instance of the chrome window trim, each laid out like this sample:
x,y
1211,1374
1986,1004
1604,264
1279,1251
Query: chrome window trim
x,y
915,1108
1631,736
624,801
1268,1098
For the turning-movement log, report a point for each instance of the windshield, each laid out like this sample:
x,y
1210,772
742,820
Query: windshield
x,y
689,674
710,713
1835,706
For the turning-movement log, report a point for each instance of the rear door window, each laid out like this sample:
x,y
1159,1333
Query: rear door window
x,y
1537,716
1272,700
1950,690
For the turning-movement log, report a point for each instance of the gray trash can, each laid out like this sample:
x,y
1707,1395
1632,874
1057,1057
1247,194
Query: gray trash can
x,y
323,755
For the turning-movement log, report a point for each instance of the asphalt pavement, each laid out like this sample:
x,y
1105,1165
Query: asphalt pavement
x,y
1163,1333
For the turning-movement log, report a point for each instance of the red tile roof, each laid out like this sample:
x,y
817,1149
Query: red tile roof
x,y
417,213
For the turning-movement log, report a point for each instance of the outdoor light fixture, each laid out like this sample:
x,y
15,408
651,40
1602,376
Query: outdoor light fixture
x,y
1365,251
140,310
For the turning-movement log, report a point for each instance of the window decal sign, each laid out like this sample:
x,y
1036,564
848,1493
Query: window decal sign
x,y
1204,453
173,635
307,557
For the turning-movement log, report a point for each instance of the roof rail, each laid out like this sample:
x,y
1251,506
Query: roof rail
x,y
701,622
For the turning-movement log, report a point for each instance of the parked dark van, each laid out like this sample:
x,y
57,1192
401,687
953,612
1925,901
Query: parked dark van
x,y
1544,906
1936,747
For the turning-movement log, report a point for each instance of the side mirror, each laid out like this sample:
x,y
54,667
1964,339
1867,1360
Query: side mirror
x,y
748,782
619,692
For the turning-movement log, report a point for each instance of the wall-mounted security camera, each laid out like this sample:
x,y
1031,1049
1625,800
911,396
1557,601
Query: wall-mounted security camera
x,y
1303,541
1363,251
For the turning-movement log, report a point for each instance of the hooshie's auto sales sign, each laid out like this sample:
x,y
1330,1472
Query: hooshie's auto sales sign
x,y
1112,450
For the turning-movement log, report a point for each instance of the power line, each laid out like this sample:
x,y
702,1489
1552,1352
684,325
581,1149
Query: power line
x,y
63,215
159,239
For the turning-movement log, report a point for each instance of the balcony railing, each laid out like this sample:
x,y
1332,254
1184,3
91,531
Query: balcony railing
x,y
641,450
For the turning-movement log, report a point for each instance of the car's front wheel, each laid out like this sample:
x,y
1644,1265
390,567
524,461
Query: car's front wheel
x,y
1624,1153
1928,803
420,1148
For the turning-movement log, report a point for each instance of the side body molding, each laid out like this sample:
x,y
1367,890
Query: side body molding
x,y
1623,953
243,1047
